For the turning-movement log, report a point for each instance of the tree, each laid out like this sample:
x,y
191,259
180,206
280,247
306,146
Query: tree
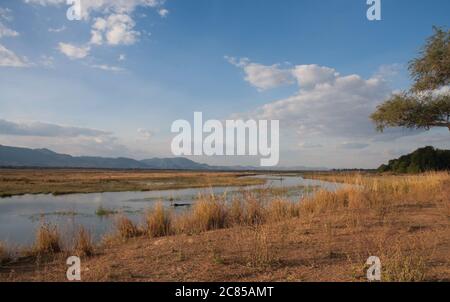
x,y
427,104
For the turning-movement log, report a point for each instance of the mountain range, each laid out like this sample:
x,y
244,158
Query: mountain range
x,y
43,158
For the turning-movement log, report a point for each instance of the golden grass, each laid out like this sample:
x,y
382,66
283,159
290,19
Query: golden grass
x,y
47,242
158,221
125,228
208,213
83,245
373,204
68,181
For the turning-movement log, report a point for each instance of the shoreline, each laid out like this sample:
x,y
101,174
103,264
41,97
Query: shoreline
x,y
402,219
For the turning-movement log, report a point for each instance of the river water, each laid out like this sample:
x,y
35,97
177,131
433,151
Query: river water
x,y
20,215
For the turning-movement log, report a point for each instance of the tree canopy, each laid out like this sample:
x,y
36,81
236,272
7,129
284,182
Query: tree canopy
x,y
421,160
424,106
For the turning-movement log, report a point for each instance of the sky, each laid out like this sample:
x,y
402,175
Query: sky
x,y
112,83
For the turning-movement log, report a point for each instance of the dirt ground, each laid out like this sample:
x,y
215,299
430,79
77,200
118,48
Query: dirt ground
x,y
411,239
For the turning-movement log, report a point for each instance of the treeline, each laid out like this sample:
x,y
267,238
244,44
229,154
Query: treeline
x,y
421,160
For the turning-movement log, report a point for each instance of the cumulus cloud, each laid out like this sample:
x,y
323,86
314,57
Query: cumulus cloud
x,y
339,106
261,76
73,52
111,22
328,110
46,130
116,29
9,59
308,76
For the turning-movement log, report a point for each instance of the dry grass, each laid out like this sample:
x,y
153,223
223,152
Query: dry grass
x,y
47,242
125,228
68,181
83,245
329,236
158,221
208,213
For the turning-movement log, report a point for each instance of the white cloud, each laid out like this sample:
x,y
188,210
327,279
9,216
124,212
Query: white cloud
x,y
146,134
308,76
163,12
122,57
6,14
329,109
261,76
73,52
112,22
337,107
107,67
90,7
9,59
46,130
7,32
46,2
116,29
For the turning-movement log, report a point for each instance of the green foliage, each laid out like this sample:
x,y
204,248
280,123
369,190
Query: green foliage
x,y
421,160
432,69
413,111
420,107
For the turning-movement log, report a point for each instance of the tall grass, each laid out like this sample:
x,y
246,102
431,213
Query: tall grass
x,y
47,240
125,228
364,197
158,221
83,245
208,213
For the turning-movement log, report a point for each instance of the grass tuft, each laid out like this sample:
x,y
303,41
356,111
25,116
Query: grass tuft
x,y
84,246
125,228
158,221
47,240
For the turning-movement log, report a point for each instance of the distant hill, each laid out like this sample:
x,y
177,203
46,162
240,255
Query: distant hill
x,y
44,158
421,160
179,163
24,157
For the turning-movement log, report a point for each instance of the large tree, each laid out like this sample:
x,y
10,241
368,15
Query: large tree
x,y
427,104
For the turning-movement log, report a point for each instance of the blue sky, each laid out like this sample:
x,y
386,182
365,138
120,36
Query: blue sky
x,y
158,61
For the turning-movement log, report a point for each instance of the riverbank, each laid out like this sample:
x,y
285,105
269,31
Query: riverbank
x,y
404,220
69,181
